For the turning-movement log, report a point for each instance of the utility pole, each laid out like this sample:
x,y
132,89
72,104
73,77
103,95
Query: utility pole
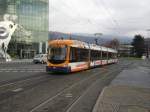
x,y
147,43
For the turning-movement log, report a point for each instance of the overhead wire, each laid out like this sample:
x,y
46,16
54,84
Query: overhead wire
x,y
78,14
87,19
113,19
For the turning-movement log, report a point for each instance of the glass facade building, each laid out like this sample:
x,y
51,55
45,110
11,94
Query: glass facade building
x,y
32,33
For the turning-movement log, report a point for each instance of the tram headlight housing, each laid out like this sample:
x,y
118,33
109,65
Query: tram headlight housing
x,y
65,65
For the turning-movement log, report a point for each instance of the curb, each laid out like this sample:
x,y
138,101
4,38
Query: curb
x,y
96,107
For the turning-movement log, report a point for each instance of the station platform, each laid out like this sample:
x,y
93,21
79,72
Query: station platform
x,y
128,92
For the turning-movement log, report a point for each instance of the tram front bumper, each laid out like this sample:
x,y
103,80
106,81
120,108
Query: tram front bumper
x,y
58,69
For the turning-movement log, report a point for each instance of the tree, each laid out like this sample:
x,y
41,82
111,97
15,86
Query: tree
x,y
114,43
138,45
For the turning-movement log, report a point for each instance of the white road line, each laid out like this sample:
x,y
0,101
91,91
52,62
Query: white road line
x,y
37,71
5,70
23,71
68,95
10,69
14,71
20,81
28,71
20,69
17,90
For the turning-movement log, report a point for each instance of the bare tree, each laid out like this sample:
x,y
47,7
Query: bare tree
x,y
114,43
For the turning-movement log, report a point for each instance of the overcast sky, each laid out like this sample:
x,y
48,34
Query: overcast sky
x,y
115,17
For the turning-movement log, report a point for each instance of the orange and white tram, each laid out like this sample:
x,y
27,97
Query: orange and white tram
x,y
73,55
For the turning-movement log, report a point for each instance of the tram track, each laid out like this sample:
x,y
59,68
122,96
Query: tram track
x,y
55,99
12,82
27,83
26,91
64,82
106,76
20,82
63,92
23,79
27,80
104,81
15,88
6,82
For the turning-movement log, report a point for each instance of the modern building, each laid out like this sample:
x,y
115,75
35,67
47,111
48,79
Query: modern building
x,y
125,50
32,33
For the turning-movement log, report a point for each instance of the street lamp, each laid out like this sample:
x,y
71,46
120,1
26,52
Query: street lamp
x,y
147,43
97,35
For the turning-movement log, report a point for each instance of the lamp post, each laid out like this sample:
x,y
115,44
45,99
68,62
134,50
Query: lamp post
x,y
147,44
97,35
96,42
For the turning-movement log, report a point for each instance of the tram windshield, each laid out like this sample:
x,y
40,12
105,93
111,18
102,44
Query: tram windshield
x,y
57,55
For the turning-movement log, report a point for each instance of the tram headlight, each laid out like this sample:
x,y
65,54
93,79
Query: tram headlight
x,y
65,65
54,67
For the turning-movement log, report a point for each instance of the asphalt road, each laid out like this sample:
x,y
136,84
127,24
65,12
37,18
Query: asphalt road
x,y
27,87
14,71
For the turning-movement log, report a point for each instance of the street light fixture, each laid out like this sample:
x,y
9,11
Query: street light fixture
x,y
97,35
147,43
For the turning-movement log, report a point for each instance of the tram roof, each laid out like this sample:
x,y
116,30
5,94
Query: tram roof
x,y
80,44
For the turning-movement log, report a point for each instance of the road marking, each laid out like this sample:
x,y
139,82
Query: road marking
x,y
20,81
14,71
3,69
8,70
17,90
68,95
37,71
24,71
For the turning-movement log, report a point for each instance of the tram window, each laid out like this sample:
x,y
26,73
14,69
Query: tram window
x,y
78,54
99,55
113,55
110,55
95,55
83,54
73,54
104,55
57,55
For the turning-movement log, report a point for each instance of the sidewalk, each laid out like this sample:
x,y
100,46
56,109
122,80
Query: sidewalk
x,y
129,92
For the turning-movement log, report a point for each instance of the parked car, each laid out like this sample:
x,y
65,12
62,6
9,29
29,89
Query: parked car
x,y
40,58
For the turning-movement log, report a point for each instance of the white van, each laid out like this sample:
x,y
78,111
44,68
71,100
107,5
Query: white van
x,y
40,58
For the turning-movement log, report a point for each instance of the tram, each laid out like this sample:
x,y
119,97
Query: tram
x,y
72,56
